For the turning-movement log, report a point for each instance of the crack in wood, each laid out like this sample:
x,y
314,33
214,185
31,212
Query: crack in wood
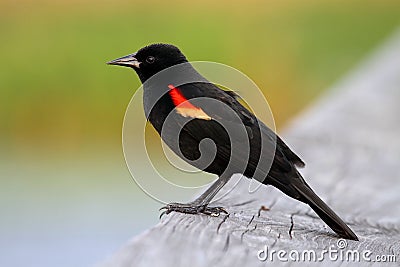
x,y
241,236
251,220
222,221
262,208
226,246
246,231
291,226
244,203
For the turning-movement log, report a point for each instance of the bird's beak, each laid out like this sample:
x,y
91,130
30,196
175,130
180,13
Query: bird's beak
x,y
127,61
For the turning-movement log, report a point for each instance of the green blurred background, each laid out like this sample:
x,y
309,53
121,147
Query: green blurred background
x,y
66,197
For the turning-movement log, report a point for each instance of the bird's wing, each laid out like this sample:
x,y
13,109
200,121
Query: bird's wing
x,y
207,115
249,119
209,119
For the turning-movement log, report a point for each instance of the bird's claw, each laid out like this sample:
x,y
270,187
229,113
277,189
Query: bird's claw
x,y
192,208
162,213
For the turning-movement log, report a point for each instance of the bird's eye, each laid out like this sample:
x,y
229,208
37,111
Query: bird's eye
x,y
150,59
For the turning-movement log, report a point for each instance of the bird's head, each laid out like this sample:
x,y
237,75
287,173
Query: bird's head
x,y
151,59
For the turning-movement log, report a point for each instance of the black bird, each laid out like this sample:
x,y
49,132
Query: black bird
x,y
171,103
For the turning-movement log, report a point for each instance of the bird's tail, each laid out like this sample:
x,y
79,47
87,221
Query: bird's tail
x,y
324,212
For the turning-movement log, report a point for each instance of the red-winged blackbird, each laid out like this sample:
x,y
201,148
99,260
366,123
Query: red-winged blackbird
x,y
172,105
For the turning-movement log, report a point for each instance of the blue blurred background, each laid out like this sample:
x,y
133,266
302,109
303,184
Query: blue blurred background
x,y
66,196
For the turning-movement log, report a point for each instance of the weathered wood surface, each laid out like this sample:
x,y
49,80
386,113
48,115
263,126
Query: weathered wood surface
x,y
350,141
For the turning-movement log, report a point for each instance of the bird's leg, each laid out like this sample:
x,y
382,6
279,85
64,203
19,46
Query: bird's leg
x,y
200,205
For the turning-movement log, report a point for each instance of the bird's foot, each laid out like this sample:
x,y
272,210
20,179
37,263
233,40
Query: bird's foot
x,y
192,208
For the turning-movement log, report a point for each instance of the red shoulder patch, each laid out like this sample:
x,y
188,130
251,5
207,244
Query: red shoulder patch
x,y
184,107
178,98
